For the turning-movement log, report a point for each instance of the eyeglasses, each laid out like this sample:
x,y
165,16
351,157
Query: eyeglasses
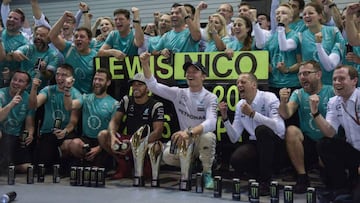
x,y
356,119
306,73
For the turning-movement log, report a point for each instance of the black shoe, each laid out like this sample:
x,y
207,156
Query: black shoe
x,y
264,189
302,183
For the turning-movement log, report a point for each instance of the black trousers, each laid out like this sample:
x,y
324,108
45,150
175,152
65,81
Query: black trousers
x,y
11,152
47,150
260,157
339,156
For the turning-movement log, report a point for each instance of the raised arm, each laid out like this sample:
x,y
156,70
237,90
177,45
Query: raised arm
x,y
54,33
352,32
193,27
139,34
69,103
287,108
5,10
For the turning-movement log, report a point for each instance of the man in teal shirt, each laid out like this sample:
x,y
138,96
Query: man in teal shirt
x,y
301,142
58,124
79,54
97,111
15,117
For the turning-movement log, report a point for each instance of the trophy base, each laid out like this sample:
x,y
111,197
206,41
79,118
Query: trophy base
x,y
185,185
155,183
139,181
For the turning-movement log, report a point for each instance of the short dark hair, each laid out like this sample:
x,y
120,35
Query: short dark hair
x,y
315,64
87,30
264,14
191,7
245,4
125,12
41,26
176,5
21,12
68,67
24,72
106,71
301,4
352,71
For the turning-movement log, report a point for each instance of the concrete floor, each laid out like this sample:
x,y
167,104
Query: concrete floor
x,y
117,191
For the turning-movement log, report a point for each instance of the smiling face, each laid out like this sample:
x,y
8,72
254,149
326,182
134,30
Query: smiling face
x,y
139,89
239,28
60,77
14,23
194,77
311,17
106,27
19,82
41,39
122,23
343,84
100,83
81,41
246,86
177,19
309,78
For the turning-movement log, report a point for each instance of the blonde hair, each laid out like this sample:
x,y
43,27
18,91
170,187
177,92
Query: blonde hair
x,y
223,31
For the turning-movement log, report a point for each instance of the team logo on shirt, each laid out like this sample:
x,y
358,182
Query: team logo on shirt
x,y
94,122
11,124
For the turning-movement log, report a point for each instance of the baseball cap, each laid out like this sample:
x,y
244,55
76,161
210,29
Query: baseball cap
x,y
197,65
138,77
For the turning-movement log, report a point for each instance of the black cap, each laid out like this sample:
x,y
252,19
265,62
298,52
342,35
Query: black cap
x,y
197,65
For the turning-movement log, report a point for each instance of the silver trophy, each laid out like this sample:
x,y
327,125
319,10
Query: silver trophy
x,y
139,142
185,156
155,158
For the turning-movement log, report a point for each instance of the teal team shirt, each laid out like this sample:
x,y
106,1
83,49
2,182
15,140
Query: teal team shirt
x,y
50,57
83,67
178,42
307,124
97,113
153,41
54,107
276,78
11,43
14,122
124,44
298,26
96,44
332,42
211,46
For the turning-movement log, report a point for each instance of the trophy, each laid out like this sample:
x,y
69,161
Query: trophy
x,y
155,158
185,156
139,147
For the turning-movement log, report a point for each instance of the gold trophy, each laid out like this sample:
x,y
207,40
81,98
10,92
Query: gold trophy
x,y
139,142
185,156
155,158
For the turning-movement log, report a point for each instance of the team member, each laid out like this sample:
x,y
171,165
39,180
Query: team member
x,y
139,109
196,110
256,116
97,111
301,141
339,155
14,114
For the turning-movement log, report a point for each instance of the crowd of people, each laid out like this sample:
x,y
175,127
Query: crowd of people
x,y
54,105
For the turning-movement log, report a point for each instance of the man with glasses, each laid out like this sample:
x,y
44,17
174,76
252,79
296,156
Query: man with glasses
x,y
227,11
301,141
341,157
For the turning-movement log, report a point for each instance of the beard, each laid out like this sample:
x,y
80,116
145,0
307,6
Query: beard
x,y
99,91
